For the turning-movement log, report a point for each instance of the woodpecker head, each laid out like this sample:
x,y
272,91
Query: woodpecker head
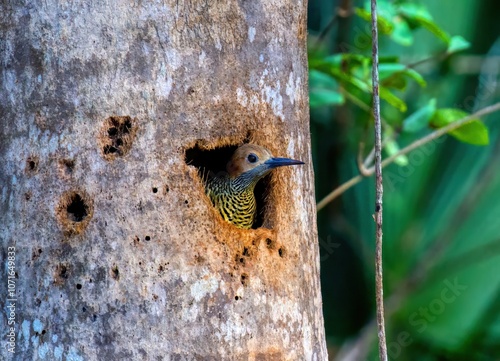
x,y
254,162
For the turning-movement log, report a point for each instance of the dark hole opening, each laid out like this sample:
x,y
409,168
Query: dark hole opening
x,y
32,164
244,279
119,127
281,252
155,190
109,149
212,162
77,210
126,126
78,286
69,163
115,272
63,271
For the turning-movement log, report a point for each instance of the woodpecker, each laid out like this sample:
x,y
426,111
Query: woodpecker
x,y
232,192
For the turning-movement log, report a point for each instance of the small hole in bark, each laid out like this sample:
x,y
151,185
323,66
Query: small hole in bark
x,y
282,252
84,309
27,196
68,165
147,238
246,253
244,279
74,211
236,298
32,164
167,189
38,302
78,286
62,271
116,138
155,190
270,243
115,273
109,149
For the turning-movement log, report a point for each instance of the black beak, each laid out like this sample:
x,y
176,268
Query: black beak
x,y
280,162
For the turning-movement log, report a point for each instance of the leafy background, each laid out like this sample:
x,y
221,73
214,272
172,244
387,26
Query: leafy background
x,y
439,61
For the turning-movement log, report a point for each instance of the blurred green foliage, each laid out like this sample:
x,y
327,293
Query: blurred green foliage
x,y
441,202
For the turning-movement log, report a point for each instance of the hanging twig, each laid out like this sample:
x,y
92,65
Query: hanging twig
x,y
379,191
416,144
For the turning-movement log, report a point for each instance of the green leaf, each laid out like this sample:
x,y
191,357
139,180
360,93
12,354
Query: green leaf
x,y
346,61
402,33
416,76
397,81
323,90
434,29
393,100
474,132
385,25
421,17
388,59
420,119
350,79
391,70
388,69
391,147
457,43
413,11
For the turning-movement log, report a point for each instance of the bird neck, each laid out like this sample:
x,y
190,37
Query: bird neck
x,y
244,182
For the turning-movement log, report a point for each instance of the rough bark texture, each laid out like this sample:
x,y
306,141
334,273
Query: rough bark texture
x,y
119,254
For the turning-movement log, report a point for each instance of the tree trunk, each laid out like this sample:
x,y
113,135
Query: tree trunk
x,y
110,113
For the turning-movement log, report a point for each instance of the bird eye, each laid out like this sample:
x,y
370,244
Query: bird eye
x,y
252,158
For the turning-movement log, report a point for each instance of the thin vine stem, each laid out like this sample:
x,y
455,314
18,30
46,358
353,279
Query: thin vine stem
x,y
379,192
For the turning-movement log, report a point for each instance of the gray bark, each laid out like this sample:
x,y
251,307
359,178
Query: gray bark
x,y
119,255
